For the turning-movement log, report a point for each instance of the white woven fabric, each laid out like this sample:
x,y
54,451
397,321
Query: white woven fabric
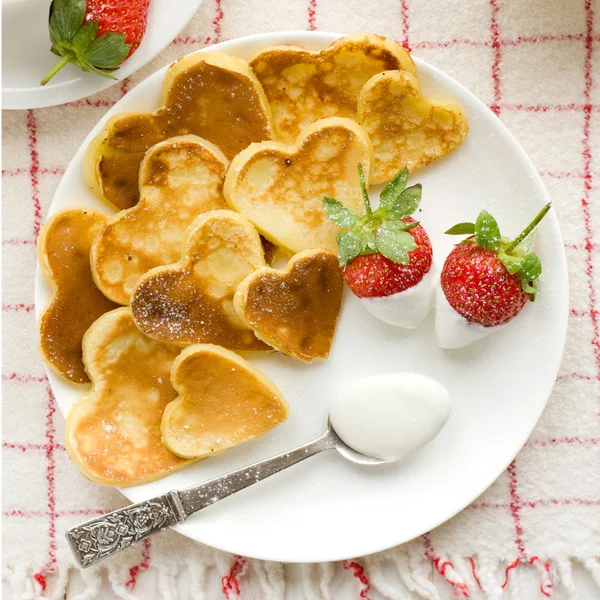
x,y
536,64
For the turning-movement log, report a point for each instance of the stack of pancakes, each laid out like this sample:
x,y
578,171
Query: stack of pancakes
x,y
228,174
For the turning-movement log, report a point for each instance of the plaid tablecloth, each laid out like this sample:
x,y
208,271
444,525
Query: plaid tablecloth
x,y
537,65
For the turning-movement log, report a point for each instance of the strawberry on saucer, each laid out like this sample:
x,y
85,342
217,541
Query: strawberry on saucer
x,y
95,35
386,255
486,281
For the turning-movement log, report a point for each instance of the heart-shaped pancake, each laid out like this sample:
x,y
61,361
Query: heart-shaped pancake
x,y
223,401
113,433
294,310
191,301
209,94
304,86
180,179
64,255
405,128
280,188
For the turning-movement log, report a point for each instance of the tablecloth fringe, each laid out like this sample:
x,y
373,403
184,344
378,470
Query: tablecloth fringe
x,y
394,575
399,575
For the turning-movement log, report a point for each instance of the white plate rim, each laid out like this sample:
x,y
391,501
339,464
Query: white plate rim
x,y
369,547
14,98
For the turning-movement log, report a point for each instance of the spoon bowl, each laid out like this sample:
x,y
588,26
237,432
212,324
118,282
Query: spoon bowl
x,y
349,453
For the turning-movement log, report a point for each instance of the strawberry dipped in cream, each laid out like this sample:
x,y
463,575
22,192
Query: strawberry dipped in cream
x,y
385,255
486,281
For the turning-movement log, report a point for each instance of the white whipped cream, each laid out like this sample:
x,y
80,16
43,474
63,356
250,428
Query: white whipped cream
x,y
408,308
452,329
390,416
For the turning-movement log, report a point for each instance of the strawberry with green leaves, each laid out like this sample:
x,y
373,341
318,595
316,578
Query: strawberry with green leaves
x,y
385,254
95,35
486,280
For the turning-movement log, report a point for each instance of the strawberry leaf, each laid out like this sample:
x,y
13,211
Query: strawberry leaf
x,y
85,36
487,231
367,237
523,247
411,225
400,225
108,50
391,192
338,213
530,288
531,267
462,229
394,244
66,17
407,203
512,263
350,245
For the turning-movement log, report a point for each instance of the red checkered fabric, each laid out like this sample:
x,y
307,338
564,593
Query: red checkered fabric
x,y
537,65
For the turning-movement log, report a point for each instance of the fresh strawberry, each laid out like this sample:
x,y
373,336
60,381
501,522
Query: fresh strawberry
x,y
385,251
95,35
487,278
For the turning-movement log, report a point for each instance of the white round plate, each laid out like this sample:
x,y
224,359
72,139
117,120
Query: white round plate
x,y
328,509
26,55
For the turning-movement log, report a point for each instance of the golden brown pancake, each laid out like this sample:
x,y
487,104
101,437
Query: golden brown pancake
x,y
209,94
180,179
304,86
113,432
405,128
223,401
280,188
63,253
269,250
191,301
294,310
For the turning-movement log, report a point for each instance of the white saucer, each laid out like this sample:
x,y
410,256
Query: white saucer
x,y
26,55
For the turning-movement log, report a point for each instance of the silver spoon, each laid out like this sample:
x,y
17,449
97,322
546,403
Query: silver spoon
x,y
112,532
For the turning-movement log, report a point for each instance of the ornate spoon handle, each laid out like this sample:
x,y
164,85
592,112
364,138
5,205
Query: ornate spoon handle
x,y
108,534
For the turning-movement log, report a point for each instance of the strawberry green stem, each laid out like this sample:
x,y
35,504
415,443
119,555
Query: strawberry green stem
x,y
57,67
365,193
528,229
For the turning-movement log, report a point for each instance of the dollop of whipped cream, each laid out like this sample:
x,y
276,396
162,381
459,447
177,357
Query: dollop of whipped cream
x,y
452,329
408,308
392,415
